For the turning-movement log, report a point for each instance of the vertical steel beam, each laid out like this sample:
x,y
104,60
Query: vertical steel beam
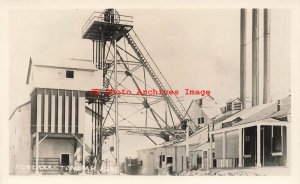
x,y
266,97
255,57
243,57
116,107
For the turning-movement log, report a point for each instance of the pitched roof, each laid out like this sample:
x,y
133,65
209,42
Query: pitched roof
x,y
233,99
222,117
246,113
193,139
270,111
211,112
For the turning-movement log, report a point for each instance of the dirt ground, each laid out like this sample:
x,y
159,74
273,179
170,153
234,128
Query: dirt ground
x,y
263,171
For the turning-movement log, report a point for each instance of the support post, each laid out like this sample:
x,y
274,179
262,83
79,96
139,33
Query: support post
x,y
83,154
116,106
224,150
202,165
211,152
37,152
240,147
187,146
288,146
258,162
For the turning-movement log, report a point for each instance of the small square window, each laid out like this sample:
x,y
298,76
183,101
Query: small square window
x,y
247,138
69,74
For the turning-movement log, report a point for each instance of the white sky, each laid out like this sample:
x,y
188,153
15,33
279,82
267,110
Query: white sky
x,y
196,49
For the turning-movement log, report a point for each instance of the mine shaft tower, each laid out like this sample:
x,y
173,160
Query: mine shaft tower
x,y
119,57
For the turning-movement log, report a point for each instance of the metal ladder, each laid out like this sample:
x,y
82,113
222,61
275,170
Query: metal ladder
x,y
153,75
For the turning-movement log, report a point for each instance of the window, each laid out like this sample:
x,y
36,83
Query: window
x,y
276,139
202,119
69,74
229,107
200,102
247,138
237,106
160,161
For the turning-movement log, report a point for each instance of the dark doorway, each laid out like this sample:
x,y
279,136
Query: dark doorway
x,y
169,160
199,161
170,165
65,159
250,146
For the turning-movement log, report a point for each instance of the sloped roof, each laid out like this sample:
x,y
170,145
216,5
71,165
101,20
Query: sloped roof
x,y
205,97
211,112
222,117
28,102
270,111
233,99
193,139
246,113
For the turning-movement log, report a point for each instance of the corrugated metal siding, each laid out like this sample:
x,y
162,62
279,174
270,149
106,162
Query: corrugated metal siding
x,y
232,144
218,145
57,111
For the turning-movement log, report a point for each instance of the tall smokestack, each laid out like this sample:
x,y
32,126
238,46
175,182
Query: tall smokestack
x,y
255,57
243,58
266,96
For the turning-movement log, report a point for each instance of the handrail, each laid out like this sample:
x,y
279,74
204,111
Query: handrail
x,y
99,16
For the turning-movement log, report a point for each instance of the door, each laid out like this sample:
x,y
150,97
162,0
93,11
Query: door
x,y
170,164
65,160
250,146
199,161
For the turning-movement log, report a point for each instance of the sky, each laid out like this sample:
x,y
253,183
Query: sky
x,y
195,49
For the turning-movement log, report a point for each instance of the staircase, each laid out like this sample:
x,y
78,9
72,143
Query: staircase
x,y
153,75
